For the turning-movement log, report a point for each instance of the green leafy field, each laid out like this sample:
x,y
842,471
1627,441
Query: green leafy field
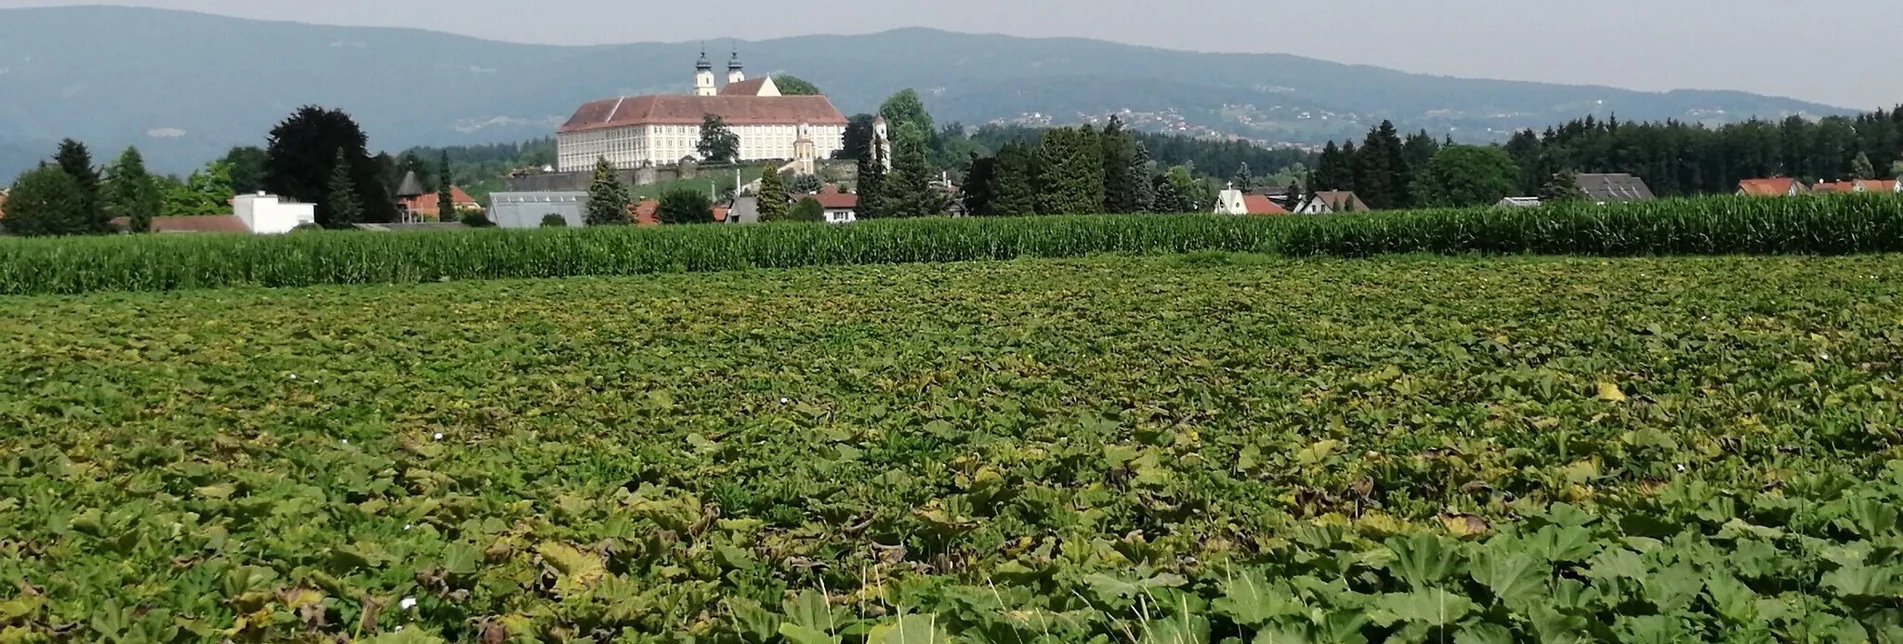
x,y
1199,448
1822,225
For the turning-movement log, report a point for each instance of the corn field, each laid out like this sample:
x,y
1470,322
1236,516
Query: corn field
x,y
1824,225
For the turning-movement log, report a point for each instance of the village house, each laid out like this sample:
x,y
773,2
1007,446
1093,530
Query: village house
x,y
1860,185
838,206
1236,202
1614,187
1772,187
1332,201
637,131
414,203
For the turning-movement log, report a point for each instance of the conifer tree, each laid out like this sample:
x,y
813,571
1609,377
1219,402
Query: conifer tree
x,y
1070,172
1119,156
975,194
77,161
909,191
1244,179
1169,200
345,207
870,184
1014,183
445,197
1142,189
1378,167
772,198
131,191
607,197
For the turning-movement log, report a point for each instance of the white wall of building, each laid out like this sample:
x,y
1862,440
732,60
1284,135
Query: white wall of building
x,y
636,145
268,215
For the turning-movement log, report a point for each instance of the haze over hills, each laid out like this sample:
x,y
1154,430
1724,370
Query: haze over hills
x,y
184,87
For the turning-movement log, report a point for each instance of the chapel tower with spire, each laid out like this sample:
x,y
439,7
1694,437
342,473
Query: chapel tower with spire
x,y
735,73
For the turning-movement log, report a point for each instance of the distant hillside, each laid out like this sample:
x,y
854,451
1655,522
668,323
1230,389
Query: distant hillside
x,y
186,86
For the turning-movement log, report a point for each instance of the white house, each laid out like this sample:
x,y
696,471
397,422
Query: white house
x,y
635,131
1330,202
266,214
1236,202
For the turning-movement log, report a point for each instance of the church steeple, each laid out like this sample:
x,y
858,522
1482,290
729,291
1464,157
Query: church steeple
x,y
735,73
704,75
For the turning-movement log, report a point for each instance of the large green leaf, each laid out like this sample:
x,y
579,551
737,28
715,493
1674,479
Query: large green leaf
x,y
1433,607
910,629
1514,577
1423,559
1250,600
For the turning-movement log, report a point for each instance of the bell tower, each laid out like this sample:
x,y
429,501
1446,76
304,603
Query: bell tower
x,y
704,76
735,73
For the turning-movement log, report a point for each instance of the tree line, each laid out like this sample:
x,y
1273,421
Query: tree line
x,y
1677,158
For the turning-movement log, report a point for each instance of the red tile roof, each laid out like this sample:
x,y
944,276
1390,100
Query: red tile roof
x,y
426,203
690,110
720,213
749,87
1773,187
1261,205
833,199
199,224
1878,185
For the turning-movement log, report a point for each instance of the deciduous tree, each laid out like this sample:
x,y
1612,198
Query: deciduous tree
x,y
809,209
47,201
302,153
1861,167
685,206
718,143
791,85
906,118
1465,175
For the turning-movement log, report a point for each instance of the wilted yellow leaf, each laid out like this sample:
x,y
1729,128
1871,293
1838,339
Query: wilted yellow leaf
x,y
1610,392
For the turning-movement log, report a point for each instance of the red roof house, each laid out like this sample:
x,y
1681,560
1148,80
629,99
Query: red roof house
x,y
424,205
1772,187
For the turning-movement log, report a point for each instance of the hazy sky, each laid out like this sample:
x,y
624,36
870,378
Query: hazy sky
x,y
1831,51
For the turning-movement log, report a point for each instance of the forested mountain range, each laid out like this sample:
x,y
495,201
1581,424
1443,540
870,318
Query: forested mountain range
x,y
185,87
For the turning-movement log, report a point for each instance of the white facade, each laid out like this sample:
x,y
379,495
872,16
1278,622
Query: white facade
x,y
268,215
840,216
637,145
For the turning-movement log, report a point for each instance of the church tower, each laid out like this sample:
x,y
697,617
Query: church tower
x,y
734,72
704,76
881,143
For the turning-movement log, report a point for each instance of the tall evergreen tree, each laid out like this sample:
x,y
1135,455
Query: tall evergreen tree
x,y
1169,199
857,143
870,184
909,191
445,196
1142,193
1562,187
345,207
607,197
718,143
47,201
77,161
1070,172
302,154
1119,157
1243,180
131,192
773,206
975,194
1378,169
1014,185
1416,152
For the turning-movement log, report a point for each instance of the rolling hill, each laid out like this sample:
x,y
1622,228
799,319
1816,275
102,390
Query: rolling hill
x,y
186,86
